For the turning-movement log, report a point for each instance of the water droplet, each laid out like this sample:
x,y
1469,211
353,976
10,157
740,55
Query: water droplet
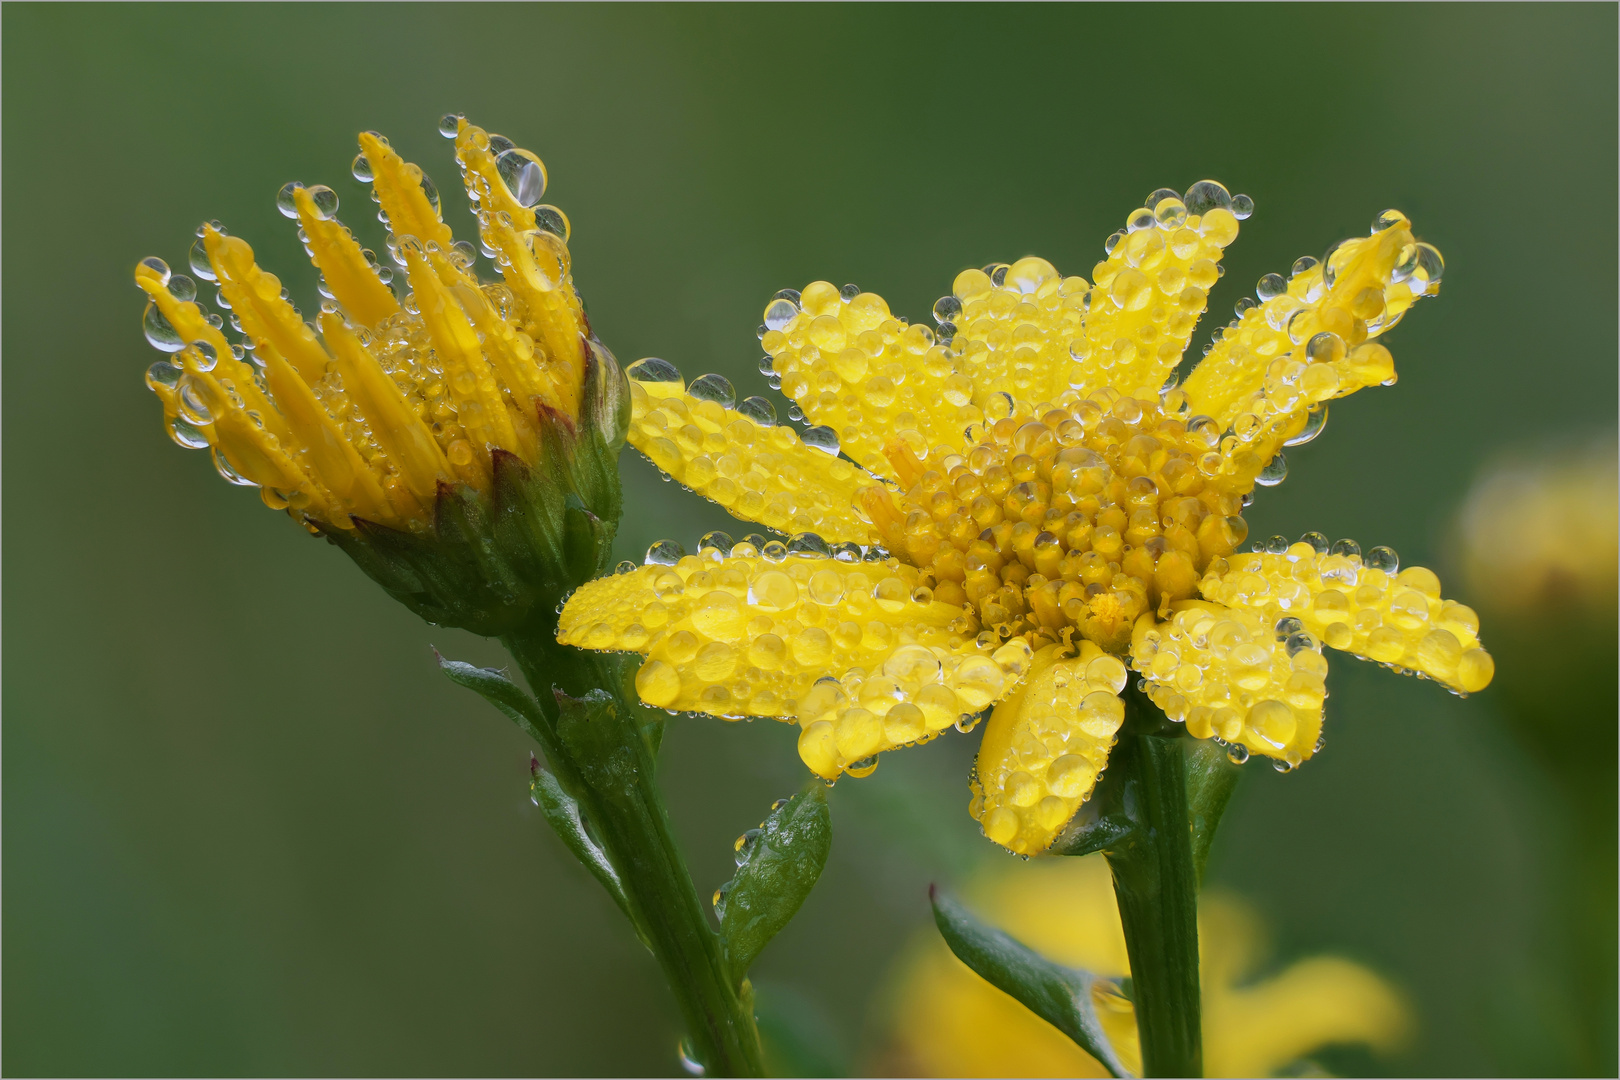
x,y
1287,627
1275,472
1299,642
1242,207
1282,765
432,193
163,374
1237,753
1318,542
997,273
1302,264
1244,306
1112,242
821,437
193,407
1170,212
744,846
808,544
683,1049
186,435
204,356
774,551
759,410
1388,220
1346,547
665,553
716,541
653,370
1159,195
946,309
326,201
162,336
285,202
223,466
524,176
780,312
450,125
625,567
1315,419
182,288
1270,286
198,258
1207,195
362,169
1139,219
846,552
778,804
965,724
716,388
1277,545
849,292
157,266
1383,558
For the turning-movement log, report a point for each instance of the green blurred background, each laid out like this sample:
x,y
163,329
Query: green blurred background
x,y
248,828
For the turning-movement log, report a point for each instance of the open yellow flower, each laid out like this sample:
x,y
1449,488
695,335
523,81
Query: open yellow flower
x,y
367,412
949,1022
1013,507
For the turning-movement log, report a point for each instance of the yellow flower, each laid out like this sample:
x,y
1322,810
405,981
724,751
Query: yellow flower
x,y
1544,531
1012,507
371,409
950,1022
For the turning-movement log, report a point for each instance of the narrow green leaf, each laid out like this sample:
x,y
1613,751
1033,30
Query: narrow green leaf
x,y
1211,778
779,865
505,695
562,813
1057,994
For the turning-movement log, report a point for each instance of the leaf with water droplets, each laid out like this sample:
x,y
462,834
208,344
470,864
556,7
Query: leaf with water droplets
x,y
782,863
1062,996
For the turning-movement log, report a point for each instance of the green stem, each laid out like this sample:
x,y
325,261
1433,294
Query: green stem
x,y
610,770
1156,885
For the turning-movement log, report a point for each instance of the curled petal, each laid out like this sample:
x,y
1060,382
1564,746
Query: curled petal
x,y
1045,746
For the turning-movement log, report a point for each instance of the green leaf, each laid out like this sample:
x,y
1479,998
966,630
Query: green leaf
x,y
1100,833
1211,778
505,695
1057,994
779,866
562,814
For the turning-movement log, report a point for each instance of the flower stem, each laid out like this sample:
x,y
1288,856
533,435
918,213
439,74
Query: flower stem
x,y
1156,885
607,764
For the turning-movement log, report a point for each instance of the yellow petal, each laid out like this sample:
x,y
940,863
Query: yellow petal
x,y
1312,341
1151,291
1397,619
398,185
1045,745
853,646
534,263
853,367
758,472
350,278
1012,340
1223,672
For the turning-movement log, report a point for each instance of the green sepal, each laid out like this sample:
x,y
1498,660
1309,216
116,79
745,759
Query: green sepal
x,y
1058,994
499,562
779,866
1086,835
562,813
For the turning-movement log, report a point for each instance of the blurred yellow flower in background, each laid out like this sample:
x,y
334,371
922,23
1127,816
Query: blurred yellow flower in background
x,y
947,1021
1545,529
